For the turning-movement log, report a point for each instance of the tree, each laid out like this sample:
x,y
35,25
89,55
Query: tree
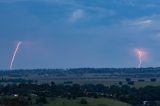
x,y
128,79
41,99
131,83
53,84
120,83
21,101
141,80
83,101
153,79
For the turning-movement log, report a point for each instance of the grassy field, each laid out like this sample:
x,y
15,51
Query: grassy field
x,y
109,82
91,102
106,82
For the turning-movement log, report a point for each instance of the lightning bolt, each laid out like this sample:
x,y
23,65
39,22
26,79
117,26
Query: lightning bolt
x,y
140,58
14,54
141,54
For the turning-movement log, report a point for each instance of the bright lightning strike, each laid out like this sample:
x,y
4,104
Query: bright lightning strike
x,y
14,54
141,55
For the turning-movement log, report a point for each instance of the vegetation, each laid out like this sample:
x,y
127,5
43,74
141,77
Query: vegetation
x,y
124,93
90,102
107,76
132,86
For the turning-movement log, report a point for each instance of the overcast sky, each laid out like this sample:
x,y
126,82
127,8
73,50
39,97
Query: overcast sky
x,y
79,33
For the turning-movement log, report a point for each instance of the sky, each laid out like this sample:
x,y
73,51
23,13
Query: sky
x,y
79,33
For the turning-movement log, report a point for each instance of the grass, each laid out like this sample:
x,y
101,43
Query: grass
x,y
110,80
146,83
91,102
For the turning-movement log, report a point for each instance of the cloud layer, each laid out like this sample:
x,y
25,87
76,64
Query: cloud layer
x,y
79,33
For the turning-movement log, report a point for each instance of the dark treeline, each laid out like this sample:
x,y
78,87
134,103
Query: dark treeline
x,y
17,73
16,81
134,96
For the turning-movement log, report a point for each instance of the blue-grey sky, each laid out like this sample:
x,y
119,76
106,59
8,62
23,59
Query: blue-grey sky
x,y
79,33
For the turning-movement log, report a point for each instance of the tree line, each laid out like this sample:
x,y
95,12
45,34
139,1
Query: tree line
x,y
125,93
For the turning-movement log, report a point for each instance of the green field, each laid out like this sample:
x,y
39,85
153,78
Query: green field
x,y
106,82
91,102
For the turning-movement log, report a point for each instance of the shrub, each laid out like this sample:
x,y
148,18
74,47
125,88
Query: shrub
x,y
128,79
131,83
153,79
83,101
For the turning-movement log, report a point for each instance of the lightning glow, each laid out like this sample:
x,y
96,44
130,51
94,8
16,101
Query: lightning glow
x,y
14,54
141,55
